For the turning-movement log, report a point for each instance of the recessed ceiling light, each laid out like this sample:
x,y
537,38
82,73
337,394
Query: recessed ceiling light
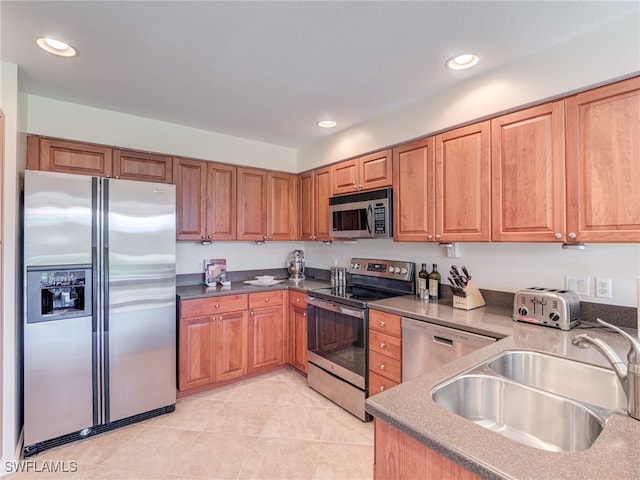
x,y
460,62
326,123
57,47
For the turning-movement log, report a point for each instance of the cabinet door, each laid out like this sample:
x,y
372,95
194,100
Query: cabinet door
x,y
230,345
345,177
603,166
252,204
266,338
463,188
221,202
307,210
190,179
282,215
413,171
69,157
194,352
298,329
376,170
141,166
528,180
322,187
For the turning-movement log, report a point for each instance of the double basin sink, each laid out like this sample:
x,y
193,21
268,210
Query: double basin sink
x,y
540,400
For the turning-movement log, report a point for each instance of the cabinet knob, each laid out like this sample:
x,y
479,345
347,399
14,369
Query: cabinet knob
x,y
382,388
217,305
558,236
270,237
382,323
117,176
297,300
267,300
572,236
219,318
437,237
202,236
382,366
430,237
264,237
304,314
383,345
108,176
209,237
252,314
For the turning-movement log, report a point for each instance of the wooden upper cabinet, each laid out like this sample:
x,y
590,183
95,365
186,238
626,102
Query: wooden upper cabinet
x,y
252,204
142,166
220,211
528,175
69,157
463,184
191,191
364,173
413,190
282,215
307,206
603,163
322,192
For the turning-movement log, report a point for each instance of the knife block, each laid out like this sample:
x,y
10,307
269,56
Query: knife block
x,y
474,298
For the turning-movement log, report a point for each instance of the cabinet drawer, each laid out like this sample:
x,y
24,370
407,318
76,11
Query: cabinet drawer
x,y
385,344
265,299
298,298
213,305
385,322
378,383
385,366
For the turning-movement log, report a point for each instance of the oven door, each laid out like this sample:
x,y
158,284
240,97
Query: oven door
x,y
338,342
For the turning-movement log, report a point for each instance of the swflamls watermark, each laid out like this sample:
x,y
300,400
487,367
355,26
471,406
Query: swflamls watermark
x,y
38,466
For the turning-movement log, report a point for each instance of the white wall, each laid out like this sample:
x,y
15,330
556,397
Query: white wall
x,y
14,155
607,53
505,267
78,122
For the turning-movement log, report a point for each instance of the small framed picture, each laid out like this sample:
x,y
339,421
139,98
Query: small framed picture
x,y
215,271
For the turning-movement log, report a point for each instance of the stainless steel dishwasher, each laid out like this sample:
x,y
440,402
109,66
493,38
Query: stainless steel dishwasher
x,y
426,346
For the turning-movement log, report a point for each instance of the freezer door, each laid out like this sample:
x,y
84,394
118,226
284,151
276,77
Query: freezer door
x,y
139,261
57,378
57,218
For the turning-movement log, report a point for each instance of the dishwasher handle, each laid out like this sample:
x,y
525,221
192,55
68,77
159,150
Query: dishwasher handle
x,y
442,341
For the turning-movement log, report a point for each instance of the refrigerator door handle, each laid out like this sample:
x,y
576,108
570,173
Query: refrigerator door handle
x,y
105,297
95,336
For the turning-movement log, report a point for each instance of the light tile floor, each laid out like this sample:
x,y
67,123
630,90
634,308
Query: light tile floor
x,y
270,427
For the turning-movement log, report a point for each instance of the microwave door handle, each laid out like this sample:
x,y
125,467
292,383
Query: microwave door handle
x,y
369,218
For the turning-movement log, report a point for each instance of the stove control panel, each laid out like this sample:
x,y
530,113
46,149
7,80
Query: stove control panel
x,y
383,268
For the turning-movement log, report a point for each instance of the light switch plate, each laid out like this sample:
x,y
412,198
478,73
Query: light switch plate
x,y
577,284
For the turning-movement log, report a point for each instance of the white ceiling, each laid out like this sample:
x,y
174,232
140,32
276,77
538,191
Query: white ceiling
x,y
269,70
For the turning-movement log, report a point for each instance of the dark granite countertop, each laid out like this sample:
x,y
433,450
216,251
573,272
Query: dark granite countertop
x,y
189,292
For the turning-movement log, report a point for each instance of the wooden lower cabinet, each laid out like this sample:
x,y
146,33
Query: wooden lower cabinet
x,y
298,331
397,455
385,351
266,331
230,346
194,352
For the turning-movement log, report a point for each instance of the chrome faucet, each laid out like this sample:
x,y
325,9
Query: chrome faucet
x,y
628,375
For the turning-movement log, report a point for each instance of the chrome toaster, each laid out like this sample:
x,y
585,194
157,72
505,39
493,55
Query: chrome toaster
x,y
547,306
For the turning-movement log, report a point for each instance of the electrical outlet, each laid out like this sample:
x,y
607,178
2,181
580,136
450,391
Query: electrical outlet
x,y
577,284
603,287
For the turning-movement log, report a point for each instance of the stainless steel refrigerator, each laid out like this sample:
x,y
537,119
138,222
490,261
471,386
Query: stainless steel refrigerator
x,y
99,322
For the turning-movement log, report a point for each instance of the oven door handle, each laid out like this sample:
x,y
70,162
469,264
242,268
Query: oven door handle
x,y
333,307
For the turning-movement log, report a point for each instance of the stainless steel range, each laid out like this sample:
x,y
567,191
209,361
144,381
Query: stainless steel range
x,y
338,322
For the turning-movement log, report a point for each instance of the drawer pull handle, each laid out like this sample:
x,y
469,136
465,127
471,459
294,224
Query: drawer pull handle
x,y
383,345
382,366
382,324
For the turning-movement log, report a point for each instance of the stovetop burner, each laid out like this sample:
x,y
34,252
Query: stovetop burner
x,y
372,280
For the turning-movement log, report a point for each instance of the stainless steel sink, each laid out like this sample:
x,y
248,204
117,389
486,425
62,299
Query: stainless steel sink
x,y
579,381
527,415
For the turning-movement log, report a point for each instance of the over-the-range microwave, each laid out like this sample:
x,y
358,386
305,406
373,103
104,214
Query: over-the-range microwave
x,y
362,215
